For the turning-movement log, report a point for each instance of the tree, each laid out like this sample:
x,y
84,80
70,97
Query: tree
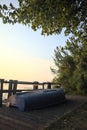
x,y
50,15
71,64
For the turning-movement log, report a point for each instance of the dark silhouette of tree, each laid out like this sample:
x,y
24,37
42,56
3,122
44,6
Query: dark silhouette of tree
x,y
49,15
71,64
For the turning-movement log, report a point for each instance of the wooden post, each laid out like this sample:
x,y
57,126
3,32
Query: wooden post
x,y
49,85
35,86
1,89
10,88
43,85
15,86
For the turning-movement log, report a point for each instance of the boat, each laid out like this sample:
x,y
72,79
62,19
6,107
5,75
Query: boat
x,y
37,99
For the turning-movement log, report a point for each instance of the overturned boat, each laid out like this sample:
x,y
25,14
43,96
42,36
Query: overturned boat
x,y
37,99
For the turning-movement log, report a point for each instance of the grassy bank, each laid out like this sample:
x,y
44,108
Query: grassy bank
x,y
75,120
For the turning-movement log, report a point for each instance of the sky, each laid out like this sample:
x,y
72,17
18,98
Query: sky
x,y
25,54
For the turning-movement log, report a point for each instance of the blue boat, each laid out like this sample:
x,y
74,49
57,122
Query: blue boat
x,y
37,99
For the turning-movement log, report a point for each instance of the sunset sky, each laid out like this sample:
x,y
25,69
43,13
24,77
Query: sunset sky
x,y
25,54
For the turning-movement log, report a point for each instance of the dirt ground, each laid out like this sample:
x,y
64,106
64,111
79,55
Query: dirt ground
x,y
13,119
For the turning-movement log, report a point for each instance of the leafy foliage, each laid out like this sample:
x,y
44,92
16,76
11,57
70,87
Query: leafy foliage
x,y
71,64
50,15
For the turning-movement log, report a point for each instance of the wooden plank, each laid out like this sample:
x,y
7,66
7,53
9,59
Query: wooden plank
x,y
10,88
35,85
1,88
15,86
49,85
11,91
